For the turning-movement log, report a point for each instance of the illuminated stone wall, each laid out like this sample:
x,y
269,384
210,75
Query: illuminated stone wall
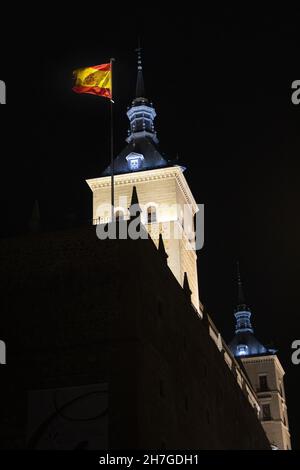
x,y
276,426
167,190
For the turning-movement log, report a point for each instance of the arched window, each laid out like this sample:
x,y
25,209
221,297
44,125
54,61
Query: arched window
x,y
119,215
151,214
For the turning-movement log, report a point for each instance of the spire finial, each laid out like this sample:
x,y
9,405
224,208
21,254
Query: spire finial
x,y
139,54
161,247
140,89
238,271
186,285
134,209
242,311
241,297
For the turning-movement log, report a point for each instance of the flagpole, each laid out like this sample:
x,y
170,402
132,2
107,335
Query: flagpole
x,y
112,143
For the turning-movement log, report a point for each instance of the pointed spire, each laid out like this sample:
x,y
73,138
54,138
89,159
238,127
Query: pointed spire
x,y
134,209
140,88
186,286
141,114
244,342
161,247
242,311
134,196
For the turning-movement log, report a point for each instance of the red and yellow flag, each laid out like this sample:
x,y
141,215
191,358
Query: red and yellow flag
x,y
95,80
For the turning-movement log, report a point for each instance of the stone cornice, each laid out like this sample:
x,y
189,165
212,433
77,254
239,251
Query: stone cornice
x,y
149,175
267,358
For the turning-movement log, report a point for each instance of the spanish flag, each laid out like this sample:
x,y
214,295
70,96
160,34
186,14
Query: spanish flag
x,y
95,80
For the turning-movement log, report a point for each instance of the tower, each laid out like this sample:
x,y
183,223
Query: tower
x,y
163,192
265,374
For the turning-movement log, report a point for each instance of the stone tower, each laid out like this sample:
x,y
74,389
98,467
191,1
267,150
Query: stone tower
x,y
163,193
265,374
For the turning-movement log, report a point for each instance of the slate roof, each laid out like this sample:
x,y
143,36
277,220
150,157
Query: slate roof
x,y
255,348
145,146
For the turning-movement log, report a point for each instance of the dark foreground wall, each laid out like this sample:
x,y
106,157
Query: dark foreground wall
x,y
104,350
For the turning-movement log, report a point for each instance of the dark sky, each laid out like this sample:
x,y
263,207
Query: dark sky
x,y
222,91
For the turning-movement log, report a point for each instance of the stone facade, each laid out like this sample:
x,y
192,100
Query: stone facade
x,y
166,190
266,375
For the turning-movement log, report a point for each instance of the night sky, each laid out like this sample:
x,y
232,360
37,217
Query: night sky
x,y
222,92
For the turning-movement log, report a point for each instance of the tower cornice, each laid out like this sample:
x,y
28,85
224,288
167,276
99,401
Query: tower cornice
x,y
265,358
148,175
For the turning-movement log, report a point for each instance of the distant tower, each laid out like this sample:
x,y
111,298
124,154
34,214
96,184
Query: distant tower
x,y
265,374
163,192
